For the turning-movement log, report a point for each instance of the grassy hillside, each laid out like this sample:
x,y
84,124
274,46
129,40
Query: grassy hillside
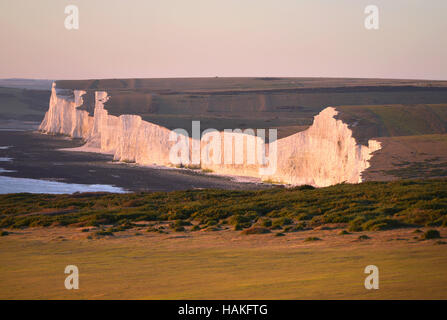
x,y
220,265
394,120
413,139
288,104
367,206
23,104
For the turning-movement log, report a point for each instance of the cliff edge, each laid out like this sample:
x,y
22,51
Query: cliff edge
x,y
324,154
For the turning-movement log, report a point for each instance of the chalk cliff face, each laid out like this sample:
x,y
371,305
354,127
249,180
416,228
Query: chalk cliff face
x,y
63,117
324,154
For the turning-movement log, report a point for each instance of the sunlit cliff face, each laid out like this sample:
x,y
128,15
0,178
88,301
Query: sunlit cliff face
x,y
324,154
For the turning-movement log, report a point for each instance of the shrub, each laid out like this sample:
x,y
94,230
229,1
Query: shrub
x,y
356,224
103,233
181,223
212,223
256,230
305,187
212,228
282,222
381,224
267,223
279,234
312,239
240,222
179,229
363,237
432,234
275,227
286,221
343,232
300,226
196,228
3,233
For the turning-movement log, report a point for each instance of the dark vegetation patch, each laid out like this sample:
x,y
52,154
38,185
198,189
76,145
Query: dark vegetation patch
x,y
103,233
309,239
432,234
428,169
256,230
370,206
279,234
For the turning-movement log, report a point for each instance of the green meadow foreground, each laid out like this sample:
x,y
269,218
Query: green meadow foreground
x,y
221,265
280,243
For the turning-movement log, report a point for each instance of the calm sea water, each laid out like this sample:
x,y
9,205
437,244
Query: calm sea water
x,y
17,185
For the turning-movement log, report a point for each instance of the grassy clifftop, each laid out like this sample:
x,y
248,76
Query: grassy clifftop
x,y
394,120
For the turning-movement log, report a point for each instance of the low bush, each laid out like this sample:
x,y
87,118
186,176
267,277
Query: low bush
x,y
308,239
355,225
103,233
379,224
256,230
267,223
431,234
179,229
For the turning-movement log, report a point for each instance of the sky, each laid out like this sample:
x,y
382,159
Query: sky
x,y
226,38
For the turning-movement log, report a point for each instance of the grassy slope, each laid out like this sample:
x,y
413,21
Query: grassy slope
x,y
23,104
219,267
412,120
373,121
367,206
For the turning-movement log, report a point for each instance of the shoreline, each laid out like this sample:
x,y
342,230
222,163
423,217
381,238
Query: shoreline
x,y
42,156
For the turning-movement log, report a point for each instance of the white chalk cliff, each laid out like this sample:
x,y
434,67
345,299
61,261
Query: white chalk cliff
x,y
324,154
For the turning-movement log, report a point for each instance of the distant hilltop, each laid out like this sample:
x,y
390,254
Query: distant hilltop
x,y
31,84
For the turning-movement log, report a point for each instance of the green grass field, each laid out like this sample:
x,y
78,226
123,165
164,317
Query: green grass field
x,y
218,267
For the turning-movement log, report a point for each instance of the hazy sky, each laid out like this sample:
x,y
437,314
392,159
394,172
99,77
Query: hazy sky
x,y
192,38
